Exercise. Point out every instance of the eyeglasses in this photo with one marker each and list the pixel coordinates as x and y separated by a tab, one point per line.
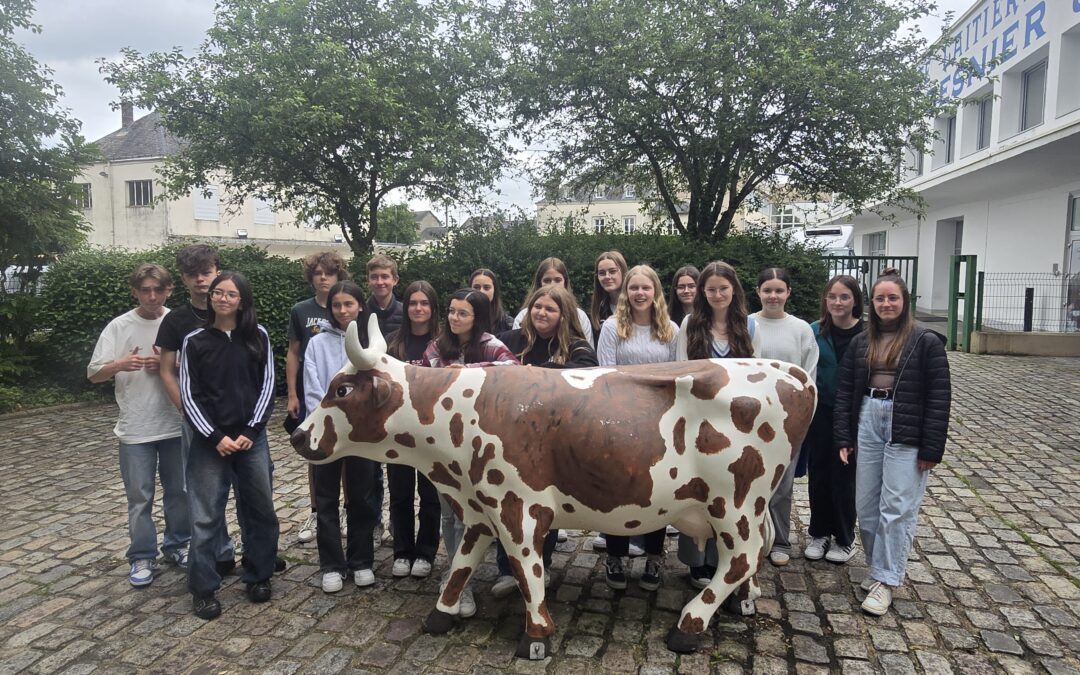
608	273
686	287
717	291
459	313
219	294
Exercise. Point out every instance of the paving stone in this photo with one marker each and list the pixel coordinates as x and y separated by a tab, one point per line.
887	640
1056	616
933	663
808	649
1040	642
957	638
897	664
997	641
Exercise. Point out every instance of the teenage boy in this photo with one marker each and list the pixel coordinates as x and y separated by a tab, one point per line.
307	319
148	426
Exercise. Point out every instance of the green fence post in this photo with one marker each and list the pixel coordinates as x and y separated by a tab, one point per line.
954	291
914	279
980	285
970	300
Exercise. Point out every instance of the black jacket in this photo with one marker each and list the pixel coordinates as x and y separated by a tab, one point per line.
582	354
921	396
389	318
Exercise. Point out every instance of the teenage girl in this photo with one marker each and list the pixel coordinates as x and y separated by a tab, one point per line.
227	390
892	405
784	338
716	327
485	281
639	332
553	271
324	357
462	343
610	270
683	290
414	549
832	483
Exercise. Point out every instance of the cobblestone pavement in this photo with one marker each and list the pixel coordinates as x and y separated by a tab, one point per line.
994	582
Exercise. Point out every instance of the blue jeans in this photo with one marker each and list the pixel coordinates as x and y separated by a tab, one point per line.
139	462
888	490
225	548
209	476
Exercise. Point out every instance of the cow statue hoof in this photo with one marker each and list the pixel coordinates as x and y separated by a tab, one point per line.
534	649
734	605
681	642
438	622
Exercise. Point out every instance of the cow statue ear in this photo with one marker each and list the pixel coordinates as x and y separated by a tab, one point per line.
382	391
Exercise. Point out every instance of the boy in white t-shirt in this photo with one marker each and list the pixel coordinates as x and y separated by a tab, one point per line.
148	427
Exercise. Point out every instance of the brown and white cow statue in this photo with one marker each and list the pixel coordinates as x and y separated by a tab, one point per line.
626	450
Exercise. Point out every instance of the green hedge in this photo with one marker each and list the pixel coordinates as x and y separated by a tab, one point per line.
514	252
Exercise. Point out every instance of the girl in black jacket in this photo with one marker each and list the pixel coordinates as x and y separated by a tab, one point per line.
892	405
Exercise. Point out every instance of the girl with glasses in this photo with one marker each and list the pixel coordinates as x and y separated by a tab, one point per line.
683	289
610	270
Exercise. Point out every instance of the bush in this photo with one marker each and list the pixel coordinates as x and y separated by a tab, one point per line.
87	289
513	253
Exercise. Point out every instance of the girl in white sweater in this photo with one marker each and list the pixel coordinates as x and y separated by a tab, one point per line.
785	338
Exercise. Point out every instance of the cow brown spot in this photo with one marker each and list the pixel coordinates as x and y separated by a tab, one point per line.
798	373
457	430
430	440
495	477
662	512
476	443
679	435
329	437
542	518
777	475
569	508
538	571
475	507
525	551
708	384
738	570
512	516
766	432
539	630
447	403
455	467
674	473
391	454
798	405
490	502
744	528
718	509
472	534
746	469
759	506
375	397
480	461
729	540
455	507
405	439
531	410
440	474
455	585
519	573
744	410
695	488
756	377
631	524
709	440
426	386
708	597
775	364
468	393
692	624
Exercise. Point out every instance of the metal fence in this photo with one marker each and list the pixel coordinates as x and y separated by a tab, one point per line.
1029	301
867	268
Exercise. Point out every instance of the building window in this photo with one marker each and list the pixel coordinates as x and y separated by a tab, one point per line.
628	224
950	139
597	225
84	199
264	212
1032	96
628	192
986	116
875	243
599	192
205	203
140	192
784	217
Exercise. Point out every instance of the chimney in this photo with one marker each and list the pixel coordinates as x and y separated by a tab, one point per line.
127	114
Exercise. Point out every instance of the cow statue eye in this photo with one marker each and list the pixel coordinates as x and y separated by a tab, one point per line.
343	390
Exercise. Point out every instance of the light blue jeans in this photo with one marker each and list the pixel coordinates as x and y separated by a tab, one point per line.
888	490
139	464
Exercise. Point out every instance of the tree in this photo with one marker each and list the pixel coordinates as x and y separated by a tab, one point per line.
326	108
397	224
41	151
701	102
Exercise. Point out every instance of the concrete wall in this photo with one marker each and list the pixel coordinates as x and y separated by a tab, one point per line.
1026	344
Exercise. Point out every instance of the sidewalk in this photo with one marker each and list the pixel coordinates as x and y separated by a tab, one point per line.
994	584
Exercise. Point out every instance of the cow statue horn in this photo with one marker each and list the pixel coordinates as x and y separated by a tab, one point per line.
365	359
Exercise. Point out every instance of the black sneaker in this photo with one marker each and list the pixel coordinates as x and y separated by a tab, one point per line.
259	591
207	608
650	579
616	577
279	564
225	567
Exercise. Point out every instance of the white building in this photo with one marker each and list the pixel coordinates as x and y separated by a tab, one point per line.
1003	181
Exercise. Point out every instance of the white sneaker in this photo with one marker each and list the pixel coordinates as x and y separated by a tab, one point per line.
402	567
332	582
840	554
504	586
466	604
672	531
635	551
142	573
779	558
561	537
363	578
306	532
421	568
878	600
867	584
599	542
815	550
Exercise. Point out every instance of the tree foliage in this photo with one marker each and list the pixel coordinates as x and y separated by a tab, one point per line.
40	153
703	102
327	107
397	224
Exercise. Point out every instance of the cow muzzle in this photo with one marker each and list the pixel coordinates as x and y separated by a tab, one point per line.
301	442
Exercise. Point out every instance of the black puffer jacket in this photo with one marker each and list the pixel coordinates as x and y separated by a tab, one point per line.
921	396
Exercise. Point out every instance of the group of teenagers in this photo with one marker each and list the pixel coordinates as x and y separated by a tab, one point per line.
195	389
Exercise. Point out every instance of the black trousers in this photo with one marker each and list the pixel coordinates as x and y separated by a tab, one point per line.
619	547
359	553
409	542
831	483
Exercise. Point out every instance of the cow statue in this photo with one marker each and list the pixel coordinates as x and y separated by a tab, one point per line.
625	450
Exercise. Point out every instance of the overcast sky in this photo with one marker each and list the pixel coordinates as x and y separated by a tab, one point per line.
76	34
